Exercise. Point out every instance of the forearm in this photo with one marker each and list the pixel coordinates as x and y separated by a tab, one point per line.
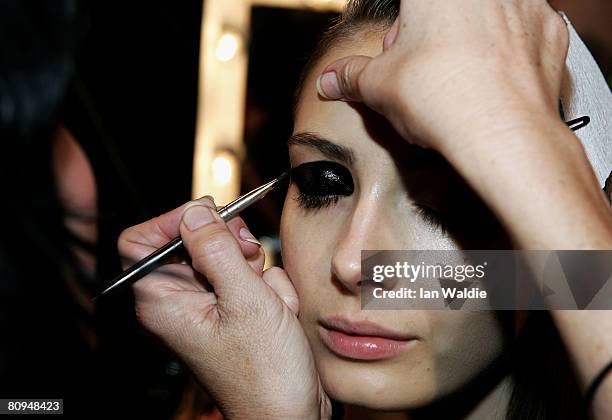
539	183
588	338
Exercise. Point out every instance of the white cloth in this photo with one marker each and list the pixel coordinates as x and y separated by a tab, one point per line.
585	92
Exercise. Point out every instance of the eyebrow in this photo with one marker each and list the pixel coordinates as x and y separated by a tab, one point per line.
328	148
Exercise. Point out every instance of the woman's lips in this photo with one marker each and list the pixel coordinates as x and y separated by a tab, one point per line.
362	340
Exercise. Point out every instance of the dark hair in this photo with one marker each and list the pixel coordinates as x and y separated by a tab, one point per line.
56	344
36	308
544	385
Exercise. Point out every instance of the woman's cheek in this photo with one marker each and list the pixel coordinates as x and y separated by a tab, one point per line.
307	246
463	344
300	249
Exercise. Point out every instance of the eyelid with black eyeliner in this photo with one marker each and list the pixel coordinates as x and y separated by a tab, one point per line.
321	183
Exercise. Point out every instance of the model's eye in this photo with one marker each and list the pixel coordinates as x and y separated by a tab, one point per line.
321	183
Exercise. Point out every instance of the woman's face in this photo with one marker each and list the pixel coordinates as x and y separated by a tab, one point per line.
324	230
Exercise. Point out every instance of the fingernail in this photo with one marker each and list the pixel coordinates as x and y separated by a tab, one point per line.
246	235
327	86
197	216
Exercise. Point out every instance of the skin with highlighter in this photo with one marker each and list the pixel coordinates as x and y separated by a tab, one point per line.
383	159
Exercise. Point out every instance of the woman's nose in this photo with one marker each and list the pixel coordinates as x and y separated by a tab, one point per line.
367	229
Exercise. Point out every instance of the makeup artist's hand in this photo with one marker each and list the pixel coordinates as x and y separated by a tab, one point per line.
453	72
233	324
479	81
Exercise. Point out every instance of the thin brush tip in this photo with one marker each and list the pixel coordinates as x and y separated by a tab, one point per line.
279	179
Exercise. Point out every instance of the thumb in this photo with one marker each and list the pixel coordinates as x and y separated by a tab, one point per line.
216	254
340	80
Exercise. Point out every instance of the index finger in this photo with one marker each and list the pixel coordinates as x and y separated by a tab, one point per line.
141	240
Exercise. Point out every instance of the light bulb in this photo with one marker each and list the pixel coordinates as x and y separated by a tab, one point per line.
227	46
222	169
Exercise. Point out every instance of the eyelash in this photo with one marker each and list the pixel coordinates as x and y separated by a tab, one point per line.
432	217
308	201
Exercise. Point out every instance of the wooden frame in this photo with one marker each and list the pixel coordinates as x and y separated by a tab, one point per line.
222	91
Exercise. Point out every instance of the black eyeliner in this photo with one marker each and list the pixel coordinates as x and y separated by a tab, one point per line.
321	183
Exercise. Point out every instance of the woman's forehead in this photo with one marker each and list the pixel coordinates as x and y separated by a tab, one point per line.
336	120
362	42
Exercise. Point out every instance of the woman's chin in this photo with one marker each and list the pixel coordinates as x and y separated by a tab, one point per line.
376	388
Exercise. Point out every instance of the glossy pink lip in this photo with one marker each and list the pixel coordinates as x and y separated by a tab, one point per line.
362	340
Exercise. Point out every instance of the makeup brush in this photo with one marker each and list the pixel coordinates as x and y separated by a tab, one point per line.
154	260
